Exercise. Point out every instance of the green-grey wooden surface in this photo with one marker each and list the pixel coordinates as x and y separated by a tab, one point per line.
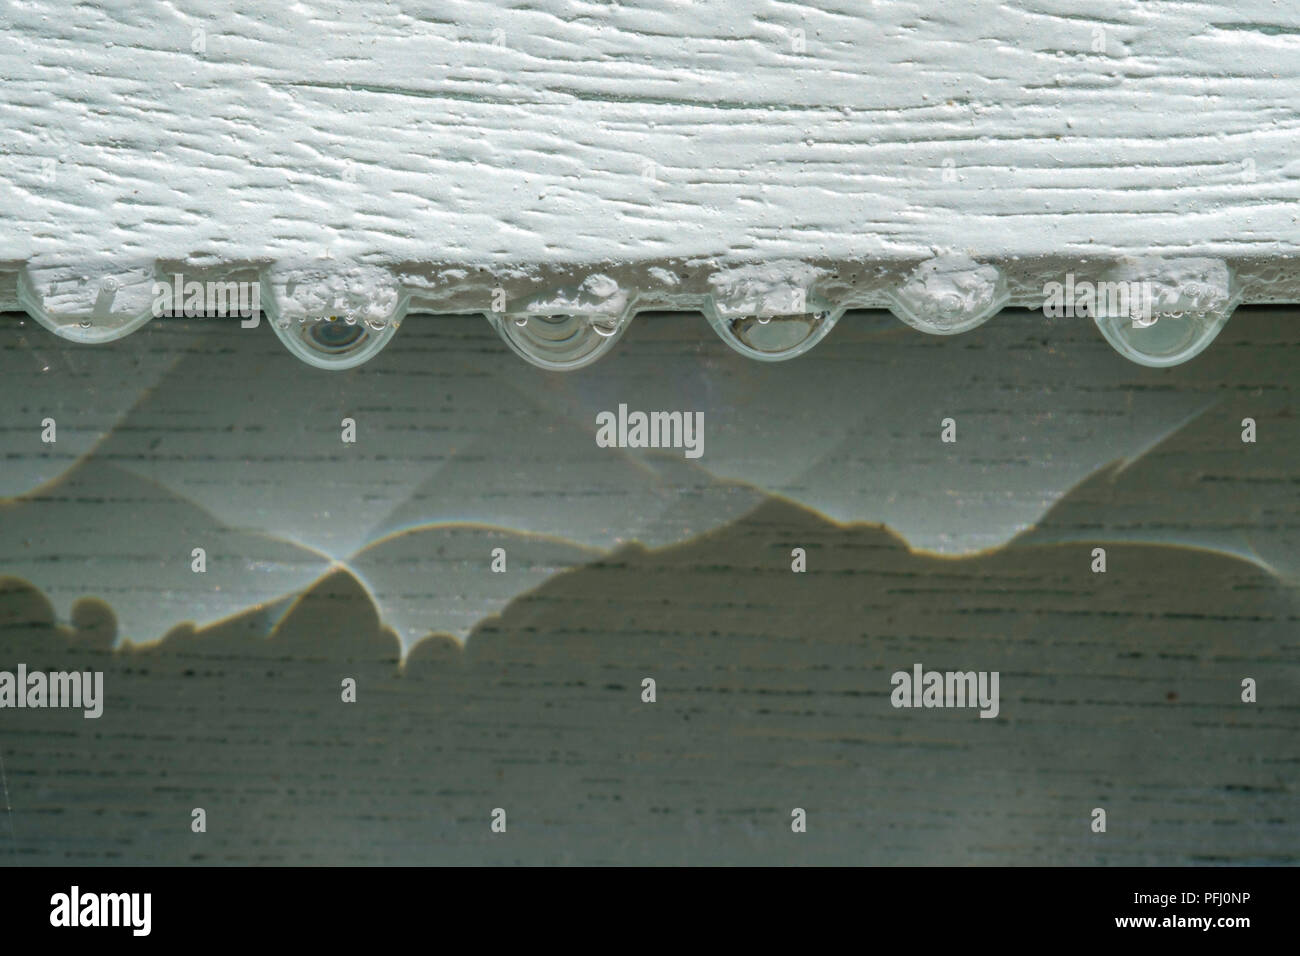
1119	691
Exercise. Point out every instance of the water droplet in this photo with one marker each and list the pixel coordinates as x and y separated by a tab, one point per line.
950	294
773	338
1168	339
333	343
345	314
87	309
560	342
1177	308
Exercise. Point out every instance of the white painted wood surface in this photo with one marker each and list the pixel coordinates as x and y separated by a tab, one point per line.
462	145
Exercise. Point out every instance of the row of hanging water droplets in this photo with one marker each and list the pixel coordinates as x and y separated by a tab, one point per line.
337	317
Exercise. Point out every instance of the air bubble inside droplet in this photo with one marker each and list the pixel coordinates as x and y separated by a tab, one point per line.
773	338
606	329
560	342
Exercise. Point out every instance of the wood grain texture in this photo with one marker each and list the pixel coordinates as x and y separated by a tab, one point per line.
200	433
1119	690
535	142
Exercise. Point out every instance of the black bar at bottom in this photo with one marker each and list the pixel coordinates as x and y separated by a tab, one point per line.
334	906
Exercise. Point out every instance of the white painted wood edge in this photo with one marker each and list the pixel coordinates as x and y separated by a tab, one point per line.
602	159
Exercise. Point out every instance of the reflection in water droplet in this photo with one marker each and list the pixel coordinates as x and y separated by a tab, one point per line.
333	343
335	337
1171	339
1163	311
85	309
773	338
334	320
559	342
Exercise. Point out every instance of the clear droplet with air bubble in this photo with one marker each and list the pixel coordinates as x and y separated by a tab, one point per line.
769	312
777	336
334	317
100	303
950	294
1163	312
567	328
559	342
